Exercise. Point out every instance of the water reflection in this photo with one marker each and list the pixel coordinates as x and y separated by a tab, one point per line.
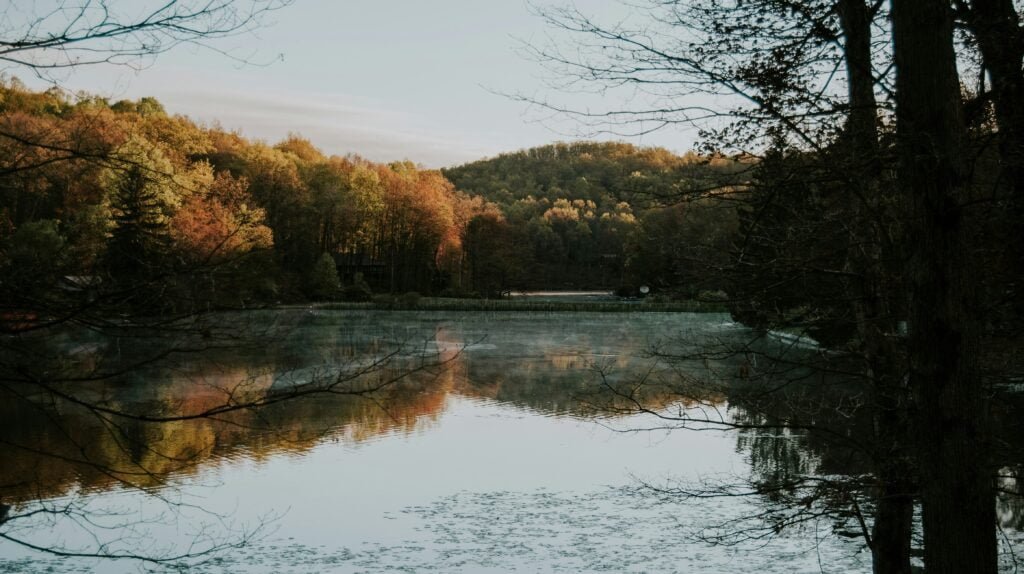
556	365
538	362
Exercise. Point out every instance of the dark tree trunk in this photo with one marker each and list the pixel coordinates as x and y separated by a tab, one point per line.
891	534
996	26
894	514
862	122
957	495
893	519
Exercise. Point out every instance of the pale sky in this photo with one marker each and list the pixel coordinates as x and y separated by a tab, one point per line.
386	79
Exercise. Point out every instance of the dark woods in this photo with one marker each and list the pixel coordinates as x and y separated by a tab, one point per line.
882	220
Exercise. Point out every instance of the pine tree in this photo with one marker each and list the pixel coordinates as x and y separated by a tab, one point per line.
323	279
139	242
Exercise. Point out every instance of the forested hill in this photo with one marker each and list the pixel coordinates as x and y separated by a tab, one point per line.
120	195
603	172
594	215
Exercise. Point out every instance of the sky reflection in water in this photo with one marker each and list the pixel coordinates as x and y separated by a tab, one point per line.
493	465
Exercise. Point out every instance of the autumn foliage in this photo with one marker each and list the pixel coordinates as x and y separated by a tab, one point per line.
163	212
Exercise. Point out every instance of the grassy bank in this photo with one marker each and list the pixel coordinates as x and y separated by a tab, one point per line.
446	304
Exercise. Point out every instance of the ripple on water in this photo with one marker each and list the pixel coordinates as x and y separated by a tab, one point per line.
544	531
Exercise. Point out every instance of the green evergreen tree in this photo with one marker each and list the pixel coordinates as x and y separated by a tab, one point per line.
323	279
139	243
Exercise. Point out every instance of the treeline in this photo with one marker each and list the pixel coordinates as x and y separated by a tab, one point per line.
160	212
598	215
124	195
816	249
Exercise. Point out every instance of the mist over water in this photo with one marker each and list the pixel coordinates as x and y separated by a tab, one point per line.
504	459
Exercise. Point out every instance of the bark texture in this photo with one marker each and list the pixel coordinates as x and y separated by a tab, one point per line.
957	495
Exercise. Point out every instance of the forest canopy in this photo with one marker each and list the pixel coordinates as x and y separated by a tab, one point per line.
124	194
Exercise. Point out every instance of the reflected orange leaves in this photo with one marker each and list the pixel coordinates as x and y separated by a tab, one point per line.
86	452
89	452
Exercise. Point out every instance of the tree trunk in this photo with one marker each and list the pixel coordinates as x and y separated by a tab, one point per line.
957	495
996	26
894	513
891	533
862	122
872	294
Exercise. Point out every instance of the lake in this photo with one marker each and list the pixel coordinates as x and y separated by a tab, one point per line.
497	442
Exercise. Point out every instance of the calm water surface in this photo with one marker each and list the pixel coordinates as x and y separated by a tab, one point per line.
497	462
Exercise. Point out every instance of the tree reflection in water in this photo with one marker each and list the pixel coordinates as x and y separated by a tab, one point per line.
797	411
803	416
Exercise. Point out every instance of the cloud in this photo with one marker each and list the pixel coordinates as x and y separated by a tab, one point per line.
334	123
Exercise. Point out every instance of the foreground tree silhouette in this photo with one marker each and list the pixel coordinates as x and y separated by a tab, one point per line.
772	68
48	37
957	490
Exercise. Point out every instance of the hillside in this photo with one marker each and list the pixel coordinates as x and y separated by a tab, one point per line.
596	215
603	172
124	191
